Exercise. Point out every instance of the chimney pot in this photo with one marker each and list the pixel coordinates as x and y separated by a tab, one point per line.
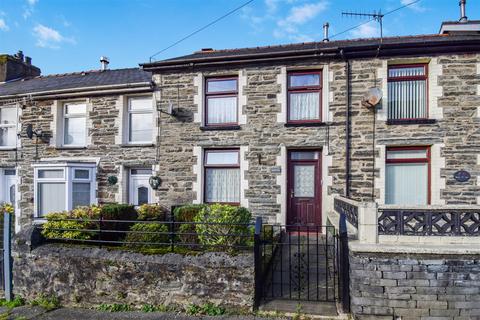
19	55
104	61
463	15
28	60
326	25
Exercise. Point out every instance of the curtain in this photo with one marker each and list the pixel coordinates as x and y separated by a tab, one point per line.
407	99
141	127
222	110
75	131
222	185
80	194
406	184
305	106
51	197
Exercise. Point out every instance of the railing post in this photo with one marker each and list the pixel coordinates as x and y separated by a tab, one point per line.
258	262
344	265
368	223
7	254
172	232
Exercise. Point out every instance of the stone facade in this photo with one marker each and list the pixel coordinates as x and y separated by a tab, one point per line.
93	276
414	286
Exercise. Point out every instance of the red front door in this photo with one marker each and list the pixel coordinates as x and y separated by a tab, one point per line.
304	188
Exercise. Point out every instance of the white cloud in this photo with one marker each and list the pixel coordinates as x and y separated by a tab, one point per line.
367	30
28	8
49	38
415	7
32	2
3	25
298	16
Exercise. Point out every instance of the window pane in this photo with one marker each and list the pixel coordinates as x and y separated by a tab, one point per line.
304	181
140	103
140	127
407	99
12	194
407	154
406	72
51	198
304	80
225	85
9	172
80	194
75	108
406	184
8	115
222	185
142	195
75	131
8	136
305	106
51	174
222	110
304	155
222	157
141	171
82	174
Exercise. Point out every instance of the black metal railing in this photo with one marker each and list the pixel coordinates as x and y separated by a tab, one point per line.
297	263
429	222
163	236
348	209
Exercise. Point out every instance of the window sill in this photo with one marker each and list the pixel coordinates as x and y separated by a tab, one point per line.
8	148
216	128
306	124
71	148
136	145
412	121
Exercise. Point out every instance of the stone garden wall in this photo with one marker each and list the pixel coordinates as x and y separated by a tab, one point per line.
92	276
414	286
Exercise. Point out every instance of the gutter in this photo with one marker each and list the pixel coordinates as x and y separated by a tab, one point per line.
128	87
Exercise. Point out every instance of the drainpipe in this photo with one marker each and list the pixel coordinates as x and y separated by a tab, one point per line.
347	126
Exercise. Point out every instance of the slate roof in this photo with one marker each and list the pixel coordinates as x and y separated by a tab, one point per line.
291	48
75	80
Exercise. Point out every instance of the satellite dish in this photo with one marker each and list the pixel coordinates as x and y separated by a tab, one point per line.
372	97
29	131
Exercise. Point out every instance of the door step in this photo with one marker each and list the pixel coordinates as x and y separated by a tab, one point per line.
315	309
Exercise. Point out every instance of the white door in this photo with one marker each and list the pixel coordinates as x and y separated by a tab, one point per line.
9	186
140	191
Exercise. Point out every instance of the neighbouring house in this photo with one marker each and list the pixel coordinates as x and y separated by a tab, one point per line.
87	127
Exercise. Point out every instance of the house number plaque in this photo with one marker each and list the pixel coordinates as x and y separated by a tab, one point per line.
461	176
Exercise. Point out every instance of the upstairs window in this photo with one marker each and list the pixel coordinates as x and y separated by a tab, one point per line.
407	92
140	119
407	176
305	97
221	99
75	124
222	176
8	126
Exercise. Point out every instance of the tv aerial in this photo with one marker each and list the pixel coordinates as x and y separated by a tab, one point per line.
375	16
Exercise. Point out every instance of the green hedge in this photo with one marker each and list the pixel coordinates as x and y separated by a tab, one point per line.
187	231
147	238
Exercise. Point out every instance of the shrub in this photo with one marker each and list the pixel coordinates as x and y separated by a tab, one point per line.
57	227
143	233
151	212
46	302
224	232
115	211
186	231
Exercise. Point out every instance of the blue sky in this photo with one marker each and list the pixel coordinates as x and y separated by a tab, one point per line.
71	35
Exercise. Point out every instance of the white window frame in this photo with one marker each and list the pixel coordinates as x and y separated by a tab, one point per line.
13	125
68	179
131	178
66	116
128	112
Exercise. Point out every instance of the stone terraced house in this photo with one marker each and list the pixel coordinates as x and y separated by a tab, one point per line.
289	132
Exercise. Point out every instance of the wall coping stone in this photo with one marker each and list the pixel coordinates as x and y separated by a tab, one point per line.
416	248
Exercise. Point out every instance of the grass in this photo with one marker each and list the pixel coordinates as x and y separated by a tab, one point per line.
46	302
16	302
115	307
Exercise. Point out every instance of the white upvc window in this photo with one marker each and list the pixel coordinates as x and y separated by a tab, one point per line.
75	124
63	187
8	184
8	126
139	120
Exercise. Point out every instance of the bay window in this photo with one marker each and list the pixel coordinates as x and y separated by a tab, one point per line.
74	124
222	176
407	176
8	127
407	92
304	97
140	119
221	101
63	187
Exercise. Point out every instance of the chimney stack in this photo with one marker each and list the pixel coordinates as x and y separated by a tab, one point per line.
463	16
17	66
325	32
104	63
